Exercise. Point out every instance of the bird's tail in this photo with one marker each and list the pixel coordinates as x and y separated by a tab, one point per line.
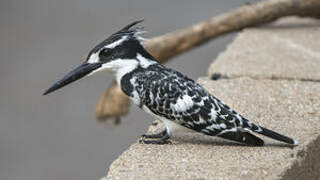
277	136
243	137
269	133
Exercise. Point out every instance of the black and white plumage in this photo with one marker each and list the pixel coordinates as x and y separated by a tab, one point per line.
164	93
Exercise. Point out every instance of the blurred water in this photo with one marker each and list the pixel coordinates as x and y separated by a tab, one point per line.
56	136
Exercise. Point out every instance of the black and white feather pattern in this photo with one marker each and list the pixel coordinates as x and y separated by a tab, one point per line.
168	93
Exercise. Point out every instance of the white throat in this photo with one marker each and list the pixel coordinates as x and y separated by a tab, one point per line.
122	67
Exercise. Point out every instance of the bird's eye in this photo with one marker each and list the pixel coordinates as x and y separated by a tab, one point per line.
105	53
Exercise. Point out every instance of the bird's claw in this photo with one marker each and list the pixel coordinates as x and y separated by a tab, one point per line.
157	135
160	141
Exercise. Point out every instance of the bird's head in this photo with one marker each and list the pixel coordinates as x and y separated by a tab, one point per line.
118	50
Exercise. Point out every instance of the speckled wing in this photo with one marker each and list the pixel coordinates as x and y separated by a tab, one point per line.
171	95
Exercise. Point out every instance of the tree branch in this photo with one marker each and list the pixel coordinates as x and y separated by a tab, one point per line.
115	104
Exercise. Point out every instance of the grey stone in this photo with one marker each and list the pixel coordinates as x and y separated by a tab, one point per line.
288	107
286	49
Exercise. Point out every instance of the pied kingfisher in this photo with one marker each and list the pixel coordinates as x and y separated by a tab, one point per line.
176	100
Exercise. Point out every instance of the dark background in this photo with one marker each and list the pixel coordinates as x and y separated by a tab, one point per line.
56	136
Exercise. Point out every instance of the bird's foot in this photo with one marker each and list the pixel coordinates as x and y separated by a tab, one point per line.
157	135
163	135
159	141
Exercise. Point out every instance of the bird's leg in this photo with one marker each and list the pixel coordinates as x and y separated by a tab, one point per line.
163	139
156	135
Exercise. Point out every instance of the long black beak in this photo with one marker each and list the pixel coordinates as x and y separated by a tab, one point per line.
74	75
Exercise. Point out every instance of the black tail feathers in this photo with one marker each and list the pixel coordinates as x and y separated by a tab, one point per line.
243	137
269	133
277	136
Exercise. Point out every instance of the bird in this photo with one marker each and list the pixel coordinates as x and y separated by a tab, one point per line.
166	94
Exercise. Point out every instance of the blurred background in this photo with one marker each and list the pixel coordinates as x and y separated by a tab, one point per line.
56	136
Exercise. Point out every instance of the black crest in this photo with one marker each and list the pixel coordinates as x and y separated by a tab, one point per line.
127	30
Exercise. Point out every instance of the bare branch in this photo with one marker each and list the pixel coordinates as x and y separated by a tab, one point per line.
112	104
172	44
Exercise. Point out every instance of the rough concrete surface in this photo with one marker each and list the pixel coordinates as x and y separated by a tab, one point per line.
273	80
286	49
289	107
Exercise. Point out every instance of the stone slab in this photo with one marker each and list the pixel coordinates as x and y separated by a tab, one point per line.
286	49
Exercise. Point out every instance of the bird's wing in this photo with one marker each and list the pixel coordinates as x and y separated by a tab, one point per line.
171	95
